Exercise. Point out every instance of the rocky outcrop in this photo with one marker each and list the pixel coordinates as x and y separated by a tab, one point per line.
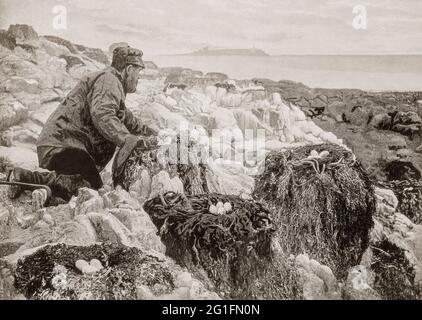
93	53
33	82
72	61
22	33
6	40
318	281
69	45
12	112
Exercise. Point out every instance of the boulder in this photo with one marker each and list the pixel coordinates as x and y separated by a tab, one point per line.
140	224
318	281
23	34
6	40
71	61
18	134
41	114
20	156
109	229
162	183
381	121
336	110
95	54
246	120
62	42
359	285
158	116
359	117
88	200
4	221
52	48
142	186
216	77
7	288
12	112
406	123
18	84
223	118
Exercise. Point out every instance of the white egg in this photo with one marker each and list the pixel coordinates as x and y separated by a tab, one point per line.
88	269
213	209
323	154
221	211
96	264
220	204
228	206
80	264
314	153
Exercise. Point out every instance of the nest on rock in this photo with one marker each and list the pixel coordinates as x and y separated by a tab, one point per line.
394	275
409	196
322	206
234	248
193	176
124	269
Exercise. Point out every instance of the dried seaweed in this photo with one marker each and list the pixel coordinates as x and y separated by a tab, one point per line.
394	276
409	196
322	207
233	248
191	175
124	269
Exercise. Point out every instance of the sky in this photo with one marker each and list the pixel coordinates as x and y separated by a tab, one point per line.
275	26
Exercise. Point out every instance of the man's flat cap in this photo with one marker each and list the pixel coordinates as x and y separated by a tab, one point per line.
123	56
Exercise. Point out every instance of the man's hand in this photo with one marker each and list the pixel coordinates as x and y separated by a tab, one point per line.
148	142
133	142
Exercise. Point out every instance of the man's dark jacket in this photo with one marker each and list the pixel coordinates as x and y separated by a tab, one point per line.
93	117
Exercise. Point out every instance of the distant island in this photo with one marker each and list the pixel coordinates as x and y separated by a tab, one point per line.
206	51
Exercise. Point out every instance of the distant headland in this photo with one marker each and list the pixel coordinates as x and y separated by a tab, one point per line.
207	51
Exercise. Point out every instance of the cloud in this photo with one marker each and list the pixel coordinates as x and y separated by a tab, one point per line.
277	26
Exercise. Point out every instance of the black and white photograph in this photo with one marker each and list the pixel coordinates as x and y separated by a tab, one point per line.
228	151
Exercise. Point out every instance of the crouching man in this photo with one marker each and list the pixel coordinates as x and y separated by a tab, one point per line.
80	137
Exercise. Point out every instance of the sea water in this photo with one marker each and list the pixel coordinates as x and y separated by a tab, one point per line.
367	72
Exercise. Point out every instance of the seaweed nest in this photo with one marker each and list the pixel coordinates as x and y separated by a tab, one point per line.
193	176
394	275
50	273
409	196
233	248
322	205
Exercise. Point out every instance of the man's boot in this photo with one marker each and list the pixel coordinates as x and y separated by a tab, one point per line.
63	186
